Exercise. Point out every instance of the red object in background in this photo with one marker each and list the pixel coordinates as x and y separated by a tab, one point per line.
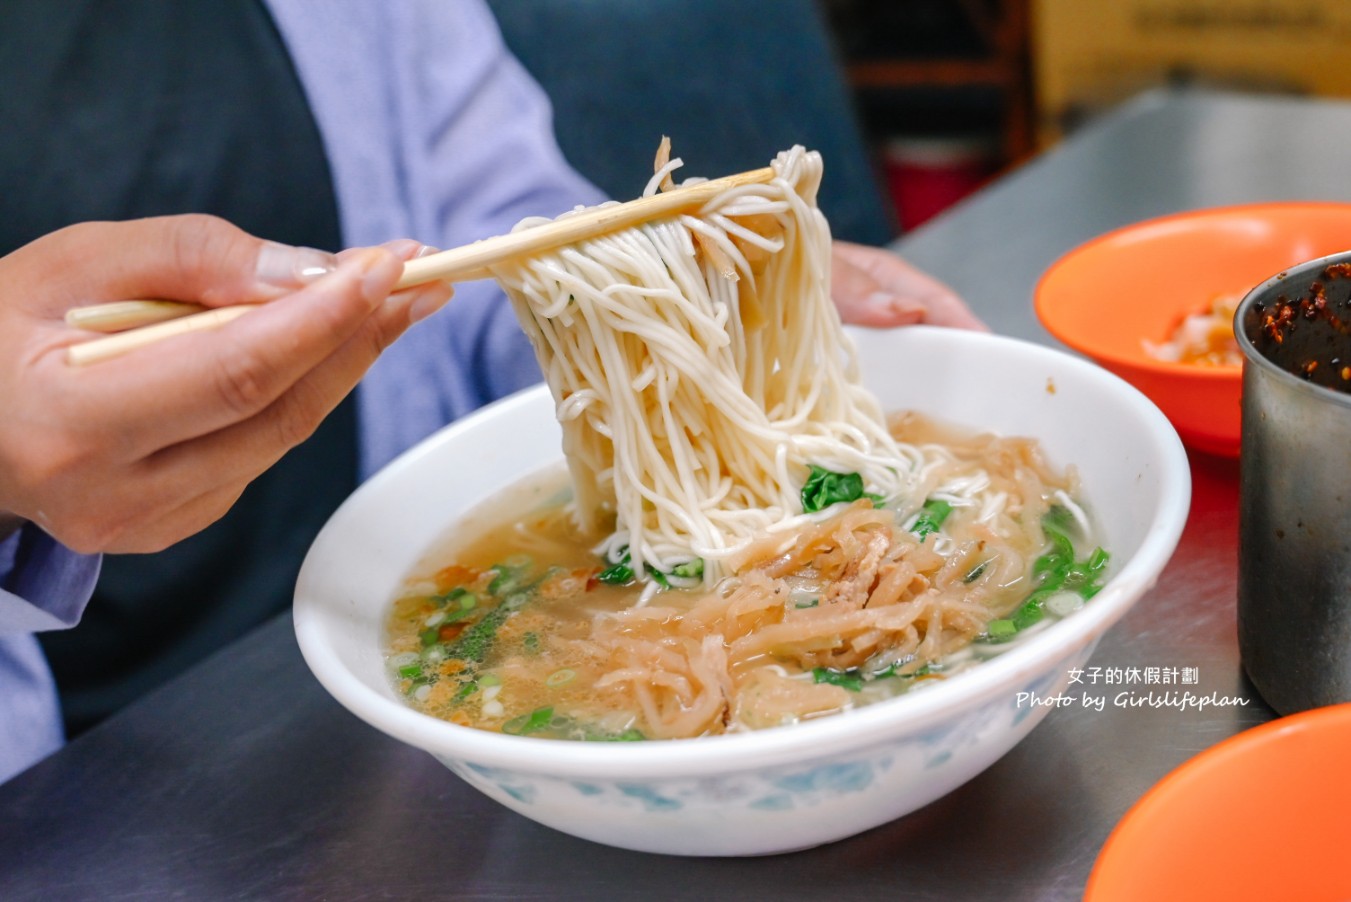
928	175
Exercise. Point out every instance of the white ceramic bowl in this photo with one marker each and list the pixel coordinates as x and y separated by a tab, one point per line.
791	787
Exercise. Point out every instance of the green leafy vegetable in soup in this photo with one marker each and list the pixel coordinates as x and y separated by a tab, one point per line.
532	633
1056	574
825	487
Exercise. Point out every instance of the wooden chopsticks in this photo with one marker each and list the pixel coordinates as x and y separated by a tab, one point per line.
120	315
140	323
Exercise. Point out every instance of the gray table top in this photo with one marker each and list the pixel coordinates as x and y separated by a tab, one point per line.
243	779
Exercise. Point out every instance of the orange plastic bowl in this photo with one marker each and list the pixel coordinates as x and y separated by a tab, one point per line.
1263	815
1106	297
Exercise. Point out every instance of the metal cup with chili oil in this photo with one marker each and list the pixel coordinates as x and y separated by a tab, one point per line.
1294	585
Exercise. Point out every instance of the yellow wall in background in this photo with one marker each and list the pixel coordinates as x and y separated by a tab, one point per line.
1090	54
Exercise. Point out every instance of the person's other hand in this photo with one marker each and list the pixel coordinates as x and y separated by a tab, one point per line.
874	287
134	453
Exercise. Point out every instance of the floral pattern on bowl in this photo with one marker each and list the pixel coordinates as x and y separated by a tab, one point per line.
839	775
862	787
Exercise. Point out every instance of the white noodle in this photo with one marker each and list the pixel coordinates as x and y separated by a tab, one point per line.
693	430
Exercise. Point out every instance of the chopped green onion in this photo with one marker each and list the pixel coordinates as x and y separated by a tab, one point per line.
846	679
474	643
621	573
1032	610
1000	630
930	517
452	595
510	575
411	671
618	573
690	569
1057	517
533	722
465	609
808	604
1064	603
657	576
560	677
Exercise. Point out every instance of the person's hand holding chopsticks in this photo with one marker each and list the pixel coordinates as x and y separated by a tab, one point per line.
155	445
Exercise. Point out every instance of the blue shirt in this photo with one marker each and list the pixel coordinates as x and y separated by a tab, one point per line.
433	131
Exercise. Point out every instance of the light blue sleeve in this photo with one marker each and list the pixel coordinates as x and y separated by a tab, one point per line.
434	131
43	586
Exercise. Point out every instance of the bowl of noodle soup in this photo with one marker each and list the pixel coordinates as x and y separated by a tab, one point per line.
779	788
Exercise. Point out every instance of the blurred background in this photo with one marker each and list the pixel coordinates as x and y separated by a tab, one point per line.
913	103
950	92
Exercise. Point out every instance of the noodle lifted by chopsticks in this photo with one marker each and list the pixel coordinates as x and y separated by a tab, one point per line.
700	370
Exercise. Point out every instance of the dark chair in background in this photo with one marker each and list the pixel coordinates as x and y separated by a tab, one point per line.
731	81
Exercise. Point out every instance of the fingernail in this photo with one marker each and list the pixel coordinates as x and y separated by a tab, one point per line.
403	248
893	303
427	250
428	300
284	266
381	271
